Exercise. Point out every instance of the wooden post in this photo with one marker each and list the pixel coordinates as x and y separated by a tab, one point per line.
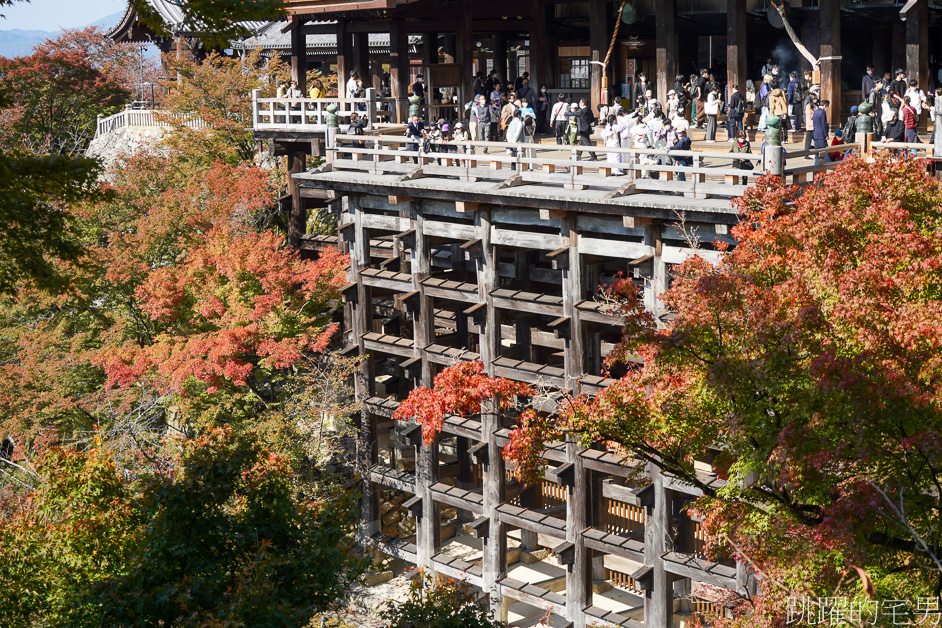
487	269
399	68
361	312
897	48
541	51
658	600
429	48
573	293
736	68
345	58
579	573
658	283
299	56
361	47
297	216
917	45
598	46
666	42
830	38
500	58
465	37
494	561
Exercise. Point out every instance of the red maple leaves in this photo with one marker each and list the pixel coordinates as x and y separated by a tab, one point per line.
458	390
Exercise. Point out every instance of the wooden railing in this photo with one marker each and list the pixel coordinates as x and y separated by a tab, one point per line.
308	114
711	172
145	117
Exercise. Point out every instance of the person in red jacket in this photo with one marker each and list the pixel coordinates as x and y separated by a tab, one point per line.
837	140
910	121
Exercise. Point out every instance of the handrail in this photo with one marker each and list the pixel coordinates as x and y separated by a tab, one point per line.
520	163
144	117
308	114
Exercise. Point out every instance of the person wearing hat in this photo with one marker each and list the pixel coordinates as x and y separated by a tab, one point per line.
558	119
811	104
572	127
850	127
837	140
673	104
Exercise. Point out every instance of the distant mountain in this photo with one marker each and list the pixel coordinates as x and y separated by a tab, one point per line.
19	43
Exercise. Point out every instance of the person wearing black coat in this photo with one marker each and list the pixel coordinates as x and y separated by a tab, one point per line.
894	131
683	143
584	120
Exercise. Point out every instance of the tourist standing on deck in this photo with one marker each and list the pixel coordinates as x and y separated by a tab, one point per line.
763	97
811	105
867	83
795	97
351	89
737	108
559	121
819	125
611	138
910	121
542	109
700	96
778	106
584	119
683	143
712	109
482	116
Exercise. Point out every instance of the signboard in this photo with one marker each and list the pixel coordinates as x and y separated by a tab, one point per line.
631	67
626	90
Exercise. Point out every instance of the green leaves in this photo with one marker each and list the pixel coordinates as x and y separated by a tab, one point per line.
220	537
215	21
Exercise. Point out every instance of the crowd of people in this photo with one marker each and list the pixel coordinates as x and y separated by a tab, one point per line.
516	111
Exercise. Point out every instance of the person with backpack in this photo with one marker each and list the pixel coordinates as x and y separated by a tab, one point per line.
910	121
737	109
795	96
683	97
683	143
482	115
559	121
850	127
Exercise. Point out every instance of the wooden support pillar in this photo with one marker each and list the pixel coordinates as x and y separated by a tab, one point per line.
573	293
917	44
450	47
429	48
579	573
500	58
897	48
737	70
487	271
361	315
597	518
361	48
531	499
666	42
494	560
598	46
299	56
522	338
297	215
657	284
541	51
399	68
465	40
830	46
345	58
658	600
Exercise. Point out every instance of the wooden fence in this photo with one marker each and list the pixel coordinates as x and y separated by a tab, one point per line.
308	114
147	118
710	173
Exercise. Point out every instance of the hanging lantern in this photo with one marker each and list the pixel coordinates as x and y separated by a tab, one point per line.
628	15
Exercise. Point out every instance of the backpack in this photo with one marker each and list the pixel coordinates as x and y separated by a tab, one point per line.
741	105
850	129
528	127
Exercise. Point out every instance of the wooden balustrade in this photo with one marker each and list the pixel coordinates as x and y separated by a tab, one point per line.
145	118
274	114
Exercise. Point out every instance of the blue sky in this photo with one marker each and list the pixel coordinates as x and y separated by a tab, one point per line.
51	15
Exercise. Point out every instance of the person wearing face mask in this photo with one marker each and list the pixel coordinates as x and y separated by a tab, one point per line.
542	107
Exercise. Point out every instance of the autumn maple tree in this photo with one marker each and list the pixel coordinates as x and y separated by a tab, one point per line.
805	367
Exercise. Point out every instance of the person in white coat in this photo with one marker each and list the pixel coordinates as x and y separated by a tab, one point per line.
611	138
514	131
